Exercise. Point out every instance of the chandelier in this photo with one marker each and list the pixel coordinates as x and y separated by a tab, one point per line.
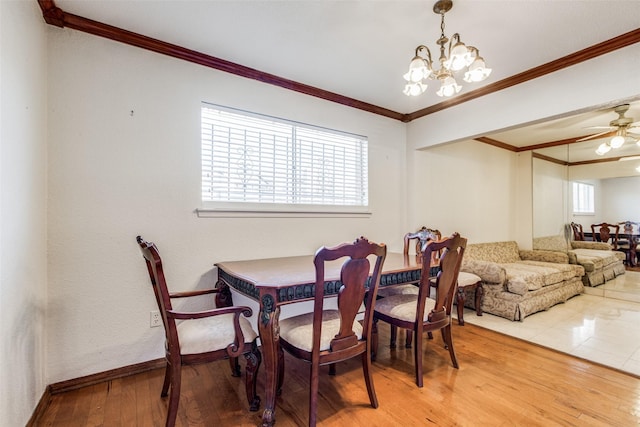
460	56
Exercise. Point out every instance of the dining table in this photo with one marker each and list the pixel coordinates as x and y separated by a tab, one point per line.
275	282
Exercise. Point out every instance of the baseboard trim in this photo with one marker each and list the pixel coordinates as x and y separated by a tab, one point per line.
112	374
76	383
40	408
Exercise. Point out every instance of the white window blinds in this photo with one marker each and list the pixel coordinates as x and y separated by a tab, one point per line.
259	159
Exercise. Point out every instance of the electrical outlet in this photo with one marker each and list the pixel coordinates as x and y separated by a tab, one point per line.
155	319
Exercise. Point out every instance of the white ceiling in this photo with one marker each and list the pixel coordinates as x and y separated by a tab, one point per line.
361	49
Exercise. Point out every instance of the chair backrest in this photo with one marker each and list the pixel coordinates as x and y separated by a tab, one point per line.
452	249
605	232
578	233
629	227
156	275
355	282
421	237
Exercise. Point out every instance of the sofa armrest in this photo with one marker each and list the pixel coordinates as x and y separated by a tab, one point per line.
489	272
546	256
581	244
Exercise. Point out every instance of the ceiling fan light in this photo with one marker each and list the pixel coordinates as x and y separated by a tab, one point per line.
449	87
603	149
617	141
477	71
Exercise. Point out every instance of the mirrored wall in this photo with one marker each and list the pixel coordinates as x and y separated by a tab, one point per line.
615	176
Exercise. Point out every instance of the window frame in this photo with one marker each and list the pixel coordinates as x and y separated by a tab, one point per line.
589	206
213	208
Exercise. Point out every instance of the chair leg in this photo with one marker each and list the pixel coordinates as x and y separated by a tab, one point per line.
460	305
313	394
167	380
368	379
254	359
446	333
174	396
394	335
408	338
235	367
417	353
332	369
374	339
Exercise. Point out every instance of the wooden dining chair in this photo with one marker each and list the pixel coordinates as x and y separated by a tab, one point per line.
628	242
608	233
418	239
328	336
201	336
419	313
578	233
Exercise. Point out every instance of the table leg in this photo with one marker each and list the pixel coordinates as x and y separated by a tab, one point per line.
270	338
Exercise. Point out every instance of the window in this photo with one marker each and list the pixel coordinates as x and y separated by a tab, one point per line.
250	158
583	198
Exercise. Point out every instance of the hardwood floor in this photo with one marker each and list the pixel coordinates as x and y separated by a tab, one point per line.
501	381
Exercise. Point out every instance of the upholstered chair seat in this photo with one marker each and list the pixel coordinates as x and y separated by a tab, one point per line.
298	330
403	307
211	333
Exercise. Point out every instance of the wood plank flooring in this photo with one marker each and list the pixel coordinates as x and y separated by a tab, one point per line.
502	381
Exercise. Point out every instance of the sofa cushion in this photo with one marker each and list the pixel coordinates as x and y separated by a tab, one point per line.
569	271
592	259
489	272
522	277
551	243
500	252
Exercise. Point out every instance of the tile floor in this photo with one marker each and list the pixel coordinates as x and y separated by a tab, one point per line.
601	325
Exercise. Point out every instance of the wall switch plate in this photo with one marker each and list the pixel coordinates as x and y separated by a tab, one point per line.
155	320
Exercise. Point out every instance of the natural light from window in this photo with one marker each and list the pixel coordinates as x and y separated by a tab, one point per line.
583	198
249	158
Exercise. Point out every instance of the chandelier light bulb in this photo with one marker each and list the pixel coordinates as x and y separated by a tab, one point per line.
459	57
477	71
603	149
418	70
449	87
414	89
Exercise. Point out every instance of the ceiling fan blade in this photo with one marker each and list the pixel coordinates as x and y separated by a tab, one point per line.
597	135
601	127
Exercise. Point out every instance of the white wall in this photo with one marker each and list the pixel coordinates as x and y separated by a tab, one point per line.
125	160
621	199
465	187
23	291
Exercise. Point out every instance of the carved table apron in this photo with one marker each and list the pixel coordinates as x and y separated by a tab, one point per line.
274	282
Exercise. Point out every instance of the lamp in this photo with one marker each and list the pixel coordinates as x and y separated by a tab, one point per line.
460	56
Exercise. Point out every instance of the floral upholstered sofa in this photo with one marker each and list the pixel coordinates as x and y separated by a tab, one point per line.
599	261
518	283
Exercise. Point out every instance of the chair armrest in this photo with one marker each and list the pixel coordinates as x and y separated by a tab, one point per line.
580	244
545	256
246	311
489	272
187	294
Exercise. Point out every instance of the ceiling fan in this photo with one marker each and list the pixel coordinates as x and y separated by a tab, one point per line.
620	126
